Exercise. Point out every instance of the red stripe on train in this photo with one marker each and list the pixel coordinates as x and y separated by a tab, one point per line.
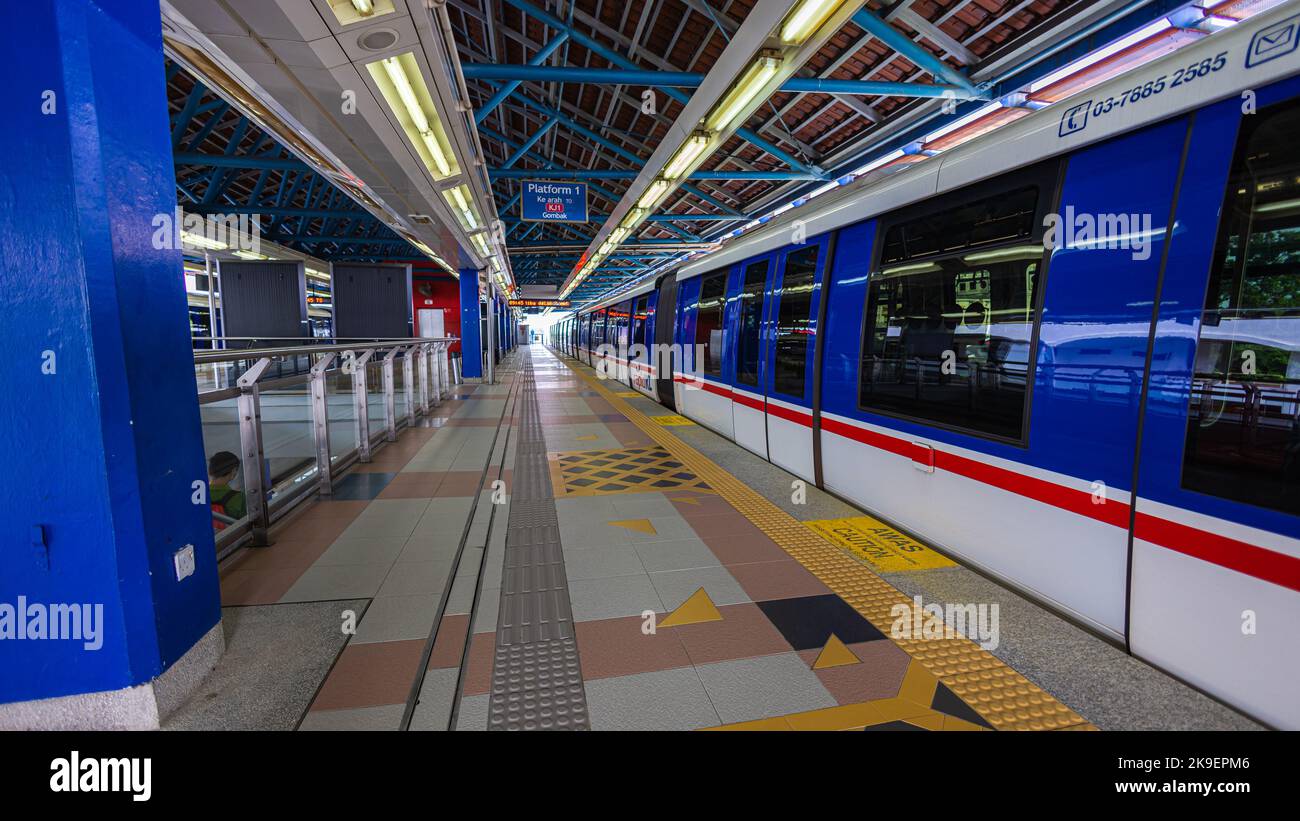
1243	557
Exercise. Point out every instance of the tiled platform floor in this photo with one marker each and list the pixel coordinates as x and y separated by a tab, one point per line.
641	535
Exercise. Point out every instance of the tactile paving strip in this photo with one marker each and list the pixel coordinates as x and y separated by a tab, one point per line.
536	677
1003	697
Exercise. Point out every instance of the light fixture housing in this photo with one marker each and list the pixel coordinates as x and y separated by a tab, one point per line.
806	18
653	194
742	93
687	154
402	85
462	203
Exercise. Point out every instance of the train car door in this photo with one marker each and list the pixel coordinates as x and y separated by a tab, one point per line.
704	394
639	364
1216	527
748	397
790	335
665	317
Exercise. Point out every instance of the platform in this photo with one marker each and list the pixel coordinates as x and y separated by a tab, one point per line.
631	571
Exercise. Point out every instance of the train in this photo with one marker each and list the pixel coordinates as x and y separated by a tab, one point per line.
1065	353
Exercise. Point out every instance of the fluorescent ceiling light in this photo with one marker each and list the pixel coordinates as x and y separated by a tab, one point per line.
250	255
758	75
200	241
460	199
807	17
686	155
399	71
364	7
653	194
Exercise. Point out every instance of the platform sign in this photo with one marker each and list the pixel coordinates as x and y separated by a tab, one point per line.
871	540
549	201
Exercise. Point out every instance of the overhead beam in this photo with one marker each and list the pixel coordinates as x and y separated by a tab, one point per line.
621	61
684	79
509	88
910	49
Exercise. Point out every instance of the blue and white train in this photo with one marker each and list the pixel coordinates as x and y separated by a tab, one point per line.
1109	423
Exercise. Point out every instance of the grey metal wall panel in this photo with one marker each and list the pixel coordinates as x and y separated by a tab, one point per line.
264	299
371	301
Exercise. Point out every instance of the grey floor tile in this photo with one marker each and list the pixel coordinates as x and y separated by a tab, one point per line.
602	562
415	578
611	598
387	717
592	534
583	510
676	586
473	713
462	595
430	547
328	582
363	550
434	705
753	688
397	618
385	518
678	554
665	700
445	515
642	505
485	616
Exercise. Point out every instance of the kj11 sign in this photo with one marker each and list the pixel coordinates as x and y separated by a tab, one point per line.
543	201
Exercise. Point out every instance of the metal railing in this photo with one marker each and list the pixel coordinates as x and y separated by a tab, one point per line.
246	373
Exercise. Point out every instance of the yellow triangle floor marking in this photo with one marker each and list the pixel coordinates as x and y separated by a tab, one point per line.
835	654
698	608
639	525
589	438
919	684
690	500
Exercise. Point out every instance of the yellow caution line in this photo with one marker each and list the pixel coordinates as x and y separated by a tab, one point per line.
1005	698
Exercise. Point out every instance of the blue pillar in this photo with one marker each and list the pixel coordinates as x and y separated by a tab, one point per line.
471	347
101	429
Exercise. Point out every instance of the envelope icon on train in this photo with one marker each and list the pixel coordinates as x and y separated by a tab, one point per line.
1275	41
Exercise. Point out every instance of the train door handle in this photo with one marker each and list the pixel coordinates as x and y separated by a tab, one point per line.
923	457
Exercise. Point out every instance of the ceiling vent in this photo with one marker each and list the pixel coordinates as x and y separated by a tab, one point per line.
379	39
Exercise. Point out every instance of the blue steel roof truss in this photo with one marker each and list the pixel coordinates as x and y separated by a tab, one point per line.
226	164
551	103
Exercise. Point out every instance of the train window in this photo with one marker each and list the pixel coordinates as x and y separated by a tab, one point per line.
615	335
794	324
708	323
1008	217
639	321
751	321
949	340
1243	430
598	329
